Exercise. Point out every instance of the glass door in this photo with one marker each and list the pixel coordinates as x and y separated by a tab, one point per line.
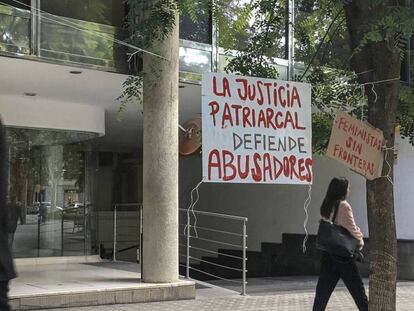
50	193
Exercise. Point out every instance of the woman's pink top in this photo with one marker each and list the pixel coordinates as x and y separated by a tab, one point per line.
345	218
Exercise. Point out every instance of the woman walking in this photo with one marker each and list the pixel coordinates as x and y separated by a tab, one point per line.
334	267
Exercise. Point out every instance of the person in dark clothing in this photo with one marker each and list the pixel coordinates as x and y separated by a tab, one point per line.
7	271
15	212
334	267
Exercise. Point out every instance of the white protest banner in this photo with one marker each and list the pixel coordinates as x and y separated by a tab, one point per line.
256	130
356	144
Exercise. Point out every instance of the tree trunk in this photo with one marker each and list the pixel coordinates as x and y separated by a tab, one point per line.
160	161
383	63
380	196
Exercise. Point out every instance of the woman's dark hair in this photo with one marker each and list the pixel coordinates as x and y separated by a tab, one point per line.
337	191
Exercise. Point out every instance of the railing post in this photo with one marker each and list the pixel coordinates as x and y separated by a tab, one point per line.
62	233
35	27
187	267
214	42
114	252
141	247
244	258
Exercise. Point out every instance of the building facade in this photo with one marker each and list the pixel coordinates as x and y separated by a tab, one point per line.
72	160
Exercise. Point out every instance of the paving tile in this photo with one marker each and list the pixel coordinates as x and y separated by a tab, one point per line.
294	301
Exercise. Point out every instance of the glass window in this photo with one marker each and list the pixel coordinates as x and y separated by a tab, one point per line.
24	4
14	27
108	12
199	27
51	193
193	60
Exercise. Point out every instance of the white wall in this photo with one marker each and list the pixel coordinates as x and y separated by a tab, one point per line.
271	209
33	112
404	190
276	209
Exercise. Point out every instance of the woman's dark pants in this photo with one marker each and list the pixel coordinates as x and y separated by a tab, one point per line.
333	268
4	288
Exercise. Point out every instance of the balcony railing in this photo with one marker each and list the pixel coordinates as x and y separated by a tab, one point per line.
14	30
61	39
81	43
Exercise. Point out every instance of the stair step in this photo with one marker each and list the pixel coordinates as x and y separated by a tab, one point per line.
271	249
286	258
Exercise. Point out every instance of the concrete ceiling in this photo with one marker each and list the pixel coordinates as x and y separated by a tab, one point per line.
55	83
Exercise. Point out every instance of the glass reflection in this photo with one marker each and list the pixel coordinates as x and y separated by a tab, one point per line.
192	60
108	12
198	27
14	30
50	198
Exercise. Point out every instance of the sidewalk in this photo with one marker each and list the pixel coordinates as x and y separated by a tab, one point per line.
289	294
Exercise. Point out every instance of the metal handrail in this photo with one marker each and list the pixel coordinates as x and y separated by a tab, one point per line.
215	276
213	252
218	231
187	234
215	214
216	264
215	241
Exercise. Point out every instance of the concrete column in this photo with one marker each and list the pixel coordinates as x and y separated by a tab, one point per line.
160	162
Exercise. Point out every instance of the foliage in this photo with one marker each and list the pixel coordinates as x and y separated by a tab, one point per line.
97	11
321	128
332	89
146	22
394	24
256	58
150	20
75	45
405	113
132	93
320	34
196	21
257	29
232	22
321	42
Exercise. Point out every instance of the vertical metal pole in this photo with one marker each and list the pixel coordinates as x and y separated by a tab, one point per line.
24	212
35	27
85	235
187	267
408	54
244	258
38	28
141	240
291	39
214	44
114	251
39	220
85	190
61	237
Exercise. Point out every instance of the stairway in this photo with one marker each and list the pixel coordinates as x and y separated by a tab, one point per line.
273	259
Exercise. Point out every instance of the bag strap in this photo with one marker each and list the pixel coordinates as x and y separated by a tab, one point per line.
335	212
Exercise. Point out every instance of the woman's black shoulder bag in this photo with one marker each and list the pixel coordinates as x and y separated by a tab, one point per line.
334	239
